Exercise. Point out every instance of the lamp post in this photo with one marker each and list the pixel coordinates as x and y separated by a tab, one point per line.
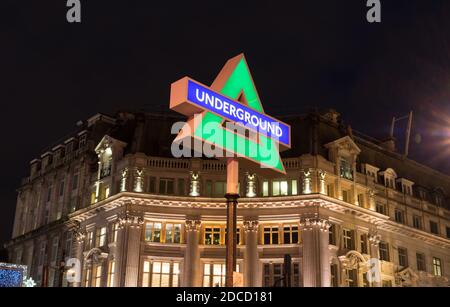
232	201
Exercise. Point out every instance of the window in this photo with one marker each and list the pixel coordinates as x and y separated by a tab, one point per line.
330	190
434	228
437	267
265	188
346	170
152	185
290	234
212	236
181	186
399	216
280	188
98	276
346	196
55	246
75	182
294	187
115	231
417	222
61	189
352	278
106	192
208	188
271	235
402	257
334	275
363	242
87	278
296	275
219	189
100	239
82	141
68	244
111	272
49	194
214	274
153	232
348	237
332	235
173	233
166	186
160	274
361	200
273	273
381	208
420	261
447	230
90	239
386	283
384	251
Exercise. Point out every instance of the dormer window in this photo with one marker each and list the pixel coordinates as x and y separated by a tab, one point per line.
370	171
82	141
405	186
346	169
439	197
389	176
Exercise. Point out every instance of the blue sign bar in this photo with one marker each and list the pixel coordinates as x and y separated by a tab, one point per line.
238	113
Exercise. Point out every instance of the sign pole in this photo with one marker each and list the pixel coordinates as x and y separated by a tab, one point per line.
232	201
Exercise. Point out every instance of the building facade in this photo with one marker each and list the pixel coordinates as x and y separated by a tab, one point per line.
351	212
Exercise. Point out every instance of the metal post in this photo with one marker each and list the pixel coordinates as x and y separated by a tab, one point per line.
408	133
232	201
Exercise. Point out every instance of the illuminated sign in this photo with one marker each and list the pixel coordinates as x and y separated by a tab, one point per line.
232	98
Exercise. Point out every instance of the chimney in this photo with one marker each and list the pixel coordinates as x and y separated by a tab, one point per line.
332	115
389	144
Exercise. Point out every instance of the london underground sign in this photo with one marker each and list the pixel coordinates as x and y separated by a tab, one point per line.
231	99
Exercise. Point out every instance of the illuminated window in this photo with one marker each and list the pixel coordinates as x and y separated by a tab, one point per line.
349	239
160	274
214	274
271	235
87	278
90	239
294	187
279	188
111	272
173	233
265	189
346	169
98	276
420	262
290	234
100	237
437	267
212	236
384	251
153	232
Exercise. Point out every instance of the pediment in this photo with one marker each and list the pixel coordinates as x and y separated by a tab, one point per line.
346	143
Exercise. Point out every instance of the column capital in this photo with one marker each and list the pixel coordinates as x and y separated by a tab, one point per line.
310	223
374	238
131	219
193	224
251	225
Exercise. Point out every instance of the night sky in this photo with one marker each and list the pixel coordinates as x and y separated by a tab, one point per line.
314	54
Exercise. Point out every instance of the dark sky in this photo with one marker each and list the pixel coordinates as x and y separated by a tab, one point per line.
125	54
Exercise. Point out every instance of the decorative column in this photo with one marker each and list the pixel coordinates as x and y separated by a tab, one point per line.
251	257
192	255
251	185
375	264
306	181
123	180
322	185
195	184
131	224
316	255
78	237
139	181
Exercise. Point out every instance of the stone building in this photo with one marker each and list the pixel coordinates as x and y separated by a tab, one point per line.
114	198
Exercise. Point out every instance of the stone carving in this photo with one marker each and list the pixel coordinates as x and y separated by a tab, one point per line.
195	185
193	224
251	225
